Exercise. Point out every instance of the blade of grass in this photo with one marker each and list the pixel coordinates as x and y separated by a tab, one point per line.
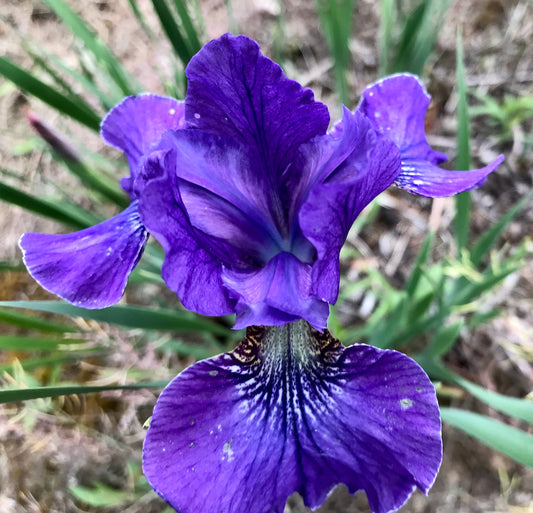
385	35
421	260
9	396
336	19
52	361
96	46
512	406
27	321
487	240
52	209
420	29
107	101
134	6
186	22
20	343
172	30
32	85
463	200
516	444
96	181
444	339
128	316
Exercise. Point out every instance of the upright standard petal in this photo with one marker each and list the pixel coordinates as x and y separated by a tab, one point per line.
88	268
235	91
356	167
291	411
218	177
396	106
136	123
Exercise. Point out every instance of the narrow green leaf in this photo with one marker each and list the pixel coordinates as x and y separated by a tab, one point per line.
421	260
49	95
97	181
444	339
420	29
19	343
182	348
490	278
487	240
386	23
233	25
134	6
190	30
336	19
107	100
101	496
96	46
128	316
172	30
9	396
519	408
516	444
513	406
31	322
52	361
59	211
418	307
463	200
382	335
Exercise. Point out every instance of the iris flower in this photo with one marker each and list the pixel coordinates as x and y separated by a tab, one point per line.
252	199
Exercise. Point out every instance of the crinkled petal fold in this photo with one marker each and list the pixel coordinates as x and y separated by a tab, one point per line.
137	123
291	411
235	91
192	266
359	165
396	106
276	294
88	268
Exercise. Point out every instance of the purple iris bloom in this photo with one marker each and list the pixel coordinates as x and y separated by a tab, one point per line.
252	199
90	268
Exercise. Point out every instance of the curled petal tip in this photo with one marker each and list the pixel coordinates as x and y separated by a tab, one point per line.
425	179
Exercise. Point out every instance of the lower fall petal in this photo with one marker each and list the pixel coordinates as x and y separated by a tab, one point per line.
288	411
425	179
88	268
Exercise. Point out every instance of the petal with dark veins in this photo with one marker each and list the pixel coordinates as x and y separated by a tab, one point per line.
290	411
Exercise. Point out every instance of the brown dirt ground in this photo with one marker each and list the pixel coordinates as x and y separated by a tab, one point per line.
49	445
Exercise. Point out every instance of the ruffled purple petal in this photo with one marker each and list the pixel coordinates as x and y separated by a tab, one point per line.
396	106
137	123
278	293
88	268
358	166
425	179
291	411
235	91
190	270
